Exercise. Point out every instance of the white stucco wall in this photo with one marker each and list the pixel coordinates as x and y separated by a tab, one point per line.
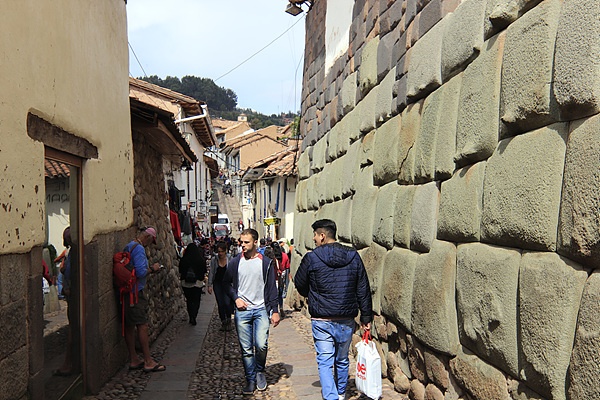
337	29
67	62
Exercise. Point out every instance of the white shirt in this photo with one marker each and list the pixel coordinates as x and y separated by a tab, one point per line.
251	285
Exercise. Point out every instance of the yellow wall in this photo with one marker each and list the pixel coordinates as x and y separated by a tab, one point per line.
67	62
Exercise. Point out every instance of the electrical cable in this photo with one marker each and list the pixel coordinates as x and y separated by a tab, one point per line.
270	43
138	61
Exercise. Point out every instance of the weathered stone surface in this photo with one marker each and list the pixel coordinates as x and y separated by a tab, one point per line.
433	393
463	36
302	231
301	196
303	165
526	102
487	281
400	90
436	366
383	107
501	13
584	368
403	215
576	62
477	123
373	258
339	144
550	289
385	155
319	154
423	226
336	178
522	190
579	220
461	205
312	198
322	183
417	389
445	144
519	391
480	380
367	151
367	74
424	69
13	333
325	212
416	358
348	93
363	209
384	55
401	381
411	123
341	213
434	308
330	151
425	144
397	288
383	224
14	373
351	164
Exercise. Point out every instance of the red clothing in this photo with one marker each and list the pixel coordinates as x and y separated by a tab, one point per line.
175	226
46	273
285	262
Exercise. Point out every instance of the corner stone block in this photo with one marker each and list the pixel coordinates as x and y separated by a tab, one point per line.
373	258
579	221
383	107
411	122
396	292
576	62
383	225
461	205
14	374
463	36
14	322
424	68
477	124
501	13
363	209
526	101
584	368
445	144
550	289
479	379
434	320
319	154
487	282
13	278
348	93
385	155
522	190
403	215
423	226
304	165
367	75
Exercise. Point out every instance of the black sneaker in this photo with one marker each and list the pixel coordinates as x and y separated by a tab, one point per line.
261	381
249	388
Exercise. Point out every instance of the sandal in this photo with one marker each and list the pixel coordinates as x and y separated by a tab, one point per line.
156	368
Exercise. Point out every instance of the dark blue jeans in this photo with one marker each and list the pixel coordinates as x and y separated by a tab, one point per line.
223	301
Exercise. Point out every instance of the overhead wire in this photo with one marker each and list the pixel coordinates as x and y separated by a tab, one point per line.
137	59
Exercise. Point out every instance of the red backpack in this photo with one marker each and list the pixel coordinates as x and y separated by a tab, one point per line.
125	280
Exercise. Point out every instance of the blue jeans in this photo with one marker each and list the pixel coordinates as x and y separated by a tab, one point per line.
332	341
253	333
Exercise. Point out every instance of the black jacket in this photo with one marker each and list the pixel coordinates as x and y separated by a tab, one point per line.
335	281
271	295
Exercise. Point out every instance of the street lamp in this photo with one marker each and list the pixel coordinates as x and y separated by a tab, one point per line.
294	6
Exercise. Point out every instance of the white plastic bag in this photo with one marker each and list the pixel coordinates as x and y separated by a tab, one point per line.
368	368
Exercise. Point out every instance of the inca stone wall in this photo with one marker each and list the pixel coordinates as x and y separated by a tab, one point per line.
456	145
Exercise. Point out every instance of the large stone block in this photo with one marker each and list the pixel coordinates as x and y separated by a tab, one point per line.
409	130
397	287
352	123
384	55
434	319
501	13
343	218
367	152
403	215
14	374
463	36
424	69
487	282
339	141
383	225
363	209
335	183
319	154
479	379
303	165
351	164
445	144
576	62
522	190
385	155
348	93
367	74
14	327
461	205
383	108
367	111
13	279
326	179
373	257
526	102
584	368
301	196
477	123
312	199
550	289
423	226
579	220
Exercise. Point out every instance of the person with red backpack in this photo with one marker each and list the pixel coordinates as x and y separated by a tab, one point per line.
136	315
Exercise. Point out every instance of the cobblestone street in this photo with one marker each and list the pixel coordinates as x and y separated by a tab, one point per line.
204	363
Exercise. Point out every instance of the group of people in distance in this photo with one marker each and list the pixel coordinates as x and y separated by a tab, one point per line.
251	286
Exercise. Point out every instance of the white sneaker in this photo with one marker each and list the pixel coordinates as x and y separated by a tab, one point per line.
342	396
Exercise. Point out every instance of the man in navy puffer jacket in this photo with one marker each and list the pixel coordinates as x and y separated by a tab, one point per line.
335	281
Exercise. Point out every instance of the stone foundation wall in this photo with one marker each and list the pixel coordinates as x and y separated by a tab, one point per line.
456	145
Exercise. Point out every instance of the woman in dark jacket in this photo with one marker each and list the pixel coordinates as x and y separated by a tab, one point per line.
192	271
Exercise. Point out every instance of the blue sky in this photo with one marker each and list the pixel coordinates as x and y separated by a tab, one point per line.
207	38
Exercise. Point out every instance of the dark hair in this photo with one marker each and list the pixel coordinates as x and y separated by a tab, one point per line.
263	241
193	257
221	245
269	252
277	252
251	232
327	225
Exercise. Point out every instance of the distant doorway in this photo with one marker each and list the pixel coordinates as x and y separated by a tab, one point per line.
63	331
